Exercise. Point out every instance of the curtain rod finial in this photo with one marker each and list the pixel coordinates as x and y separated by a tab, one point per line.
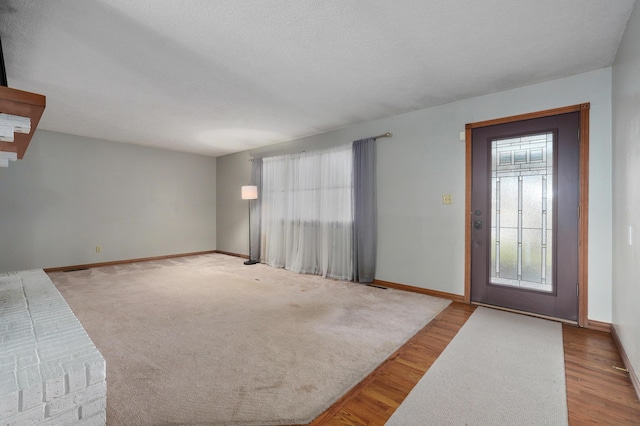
384	135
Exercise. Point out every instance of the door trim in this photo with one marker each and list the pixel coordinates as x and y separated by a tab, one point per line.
583	220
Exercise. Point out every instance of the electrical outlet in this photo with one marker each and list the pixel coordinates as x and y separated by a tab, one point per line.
98	249
447	199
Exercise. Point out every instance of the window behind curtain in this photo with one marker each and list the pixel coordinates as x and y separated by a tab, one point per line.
307	213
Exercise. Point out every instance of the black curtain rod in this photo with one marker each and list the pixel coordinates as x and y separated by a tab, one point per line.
3	72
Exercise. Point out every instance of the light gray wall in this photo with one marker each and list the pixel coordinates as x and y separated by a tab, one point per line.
70	194
233	214
421	241
626	190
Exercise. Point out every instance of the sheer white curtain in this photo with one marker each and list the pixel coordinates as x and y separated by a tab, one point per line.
307	213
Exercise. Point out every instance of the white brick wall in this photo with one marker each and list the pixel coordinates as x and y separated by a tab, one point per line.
51	373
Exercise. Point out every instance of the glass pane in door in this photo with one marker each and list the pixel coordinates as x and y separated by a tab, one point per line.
522	212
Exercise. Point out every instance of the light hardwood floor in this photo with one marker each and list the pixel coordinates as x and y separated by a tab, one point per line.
596	392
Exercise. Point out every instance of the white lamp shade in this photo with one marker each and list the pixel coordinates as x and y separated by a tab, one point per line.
250	192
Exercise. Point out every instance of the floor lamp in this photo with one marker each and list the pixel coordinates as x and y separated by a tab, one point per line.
250	192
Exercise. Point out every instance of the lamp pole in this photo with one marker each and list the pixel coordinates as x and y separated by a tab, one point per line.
250	192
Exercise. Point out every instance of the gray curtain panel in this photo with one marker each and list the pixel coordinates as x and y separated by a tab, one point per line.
365	210
254	234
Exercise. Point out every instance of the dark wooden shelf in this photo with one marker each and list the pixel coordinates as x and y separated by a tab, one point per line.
25	104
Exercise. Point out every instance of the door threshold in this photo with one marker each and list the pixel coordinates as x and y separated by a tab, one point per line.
530	314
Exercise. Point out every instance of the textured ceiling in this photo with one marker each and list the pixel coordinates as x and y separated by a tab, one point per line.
215	77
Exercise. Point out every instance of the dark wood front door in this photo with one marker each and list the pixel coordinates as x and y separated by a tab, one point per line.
524	215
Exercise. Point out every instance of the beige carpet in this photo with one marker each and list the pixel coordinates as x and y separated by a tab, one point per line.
208	340
500	369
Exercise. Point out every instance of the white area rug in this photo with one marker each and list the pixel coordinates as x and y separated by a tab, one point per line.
208	340
500	369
